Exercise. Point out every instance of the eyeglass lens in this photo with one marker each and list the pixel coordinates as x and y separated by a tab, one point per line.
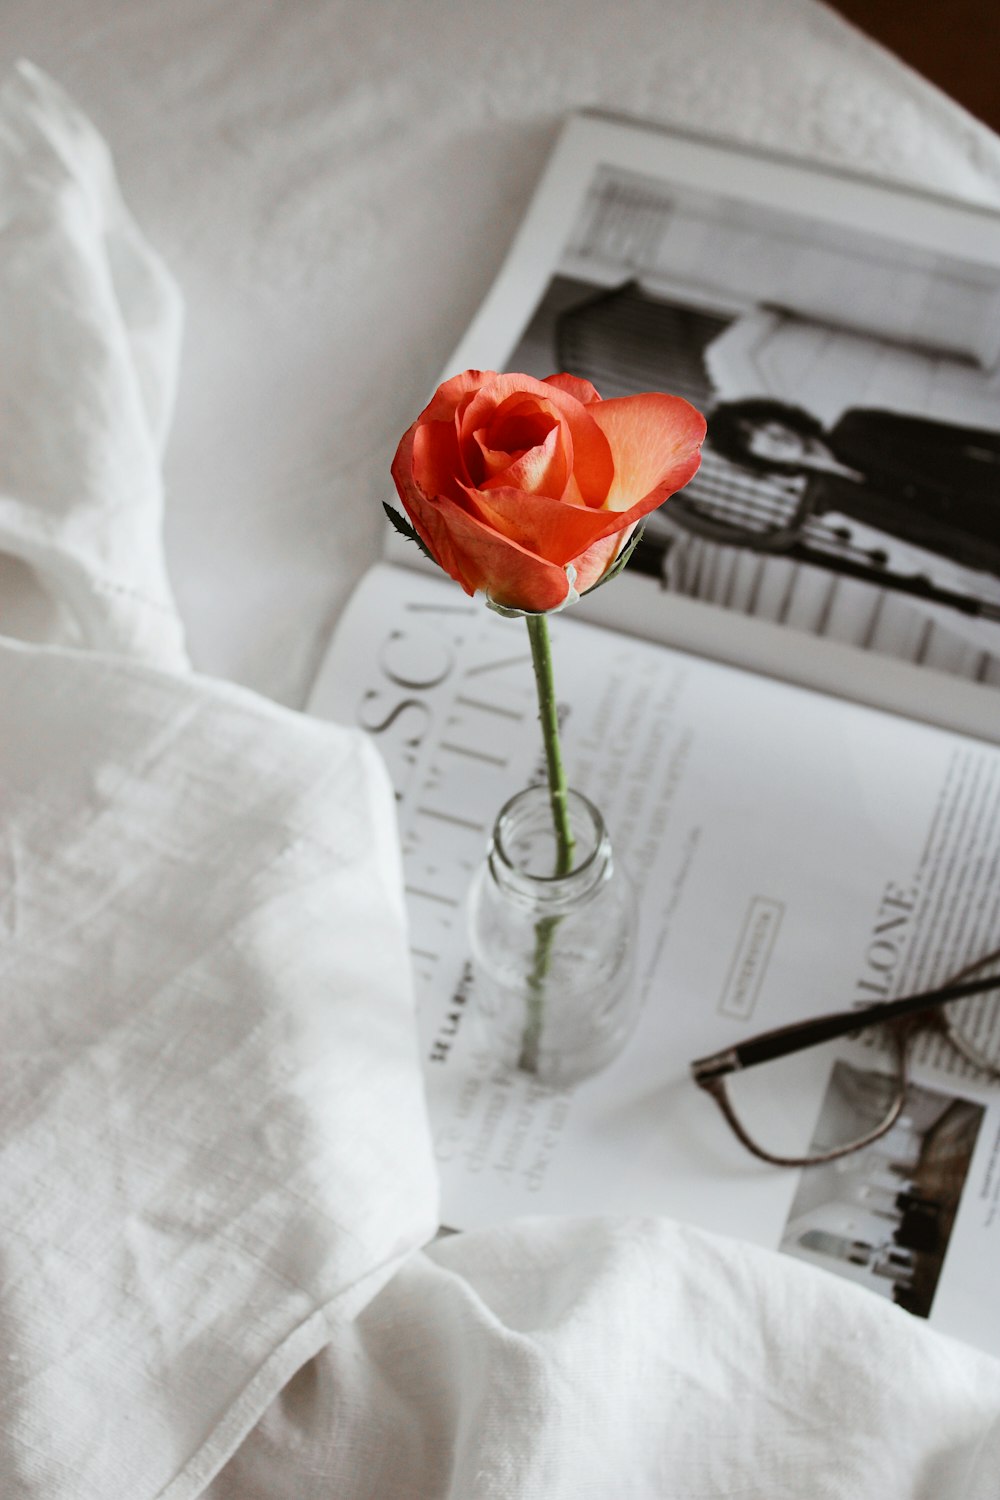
827	1099
834	1097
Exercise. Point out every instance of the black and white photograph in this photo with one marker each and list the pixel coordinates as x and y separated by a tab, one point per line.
883	1215
850	483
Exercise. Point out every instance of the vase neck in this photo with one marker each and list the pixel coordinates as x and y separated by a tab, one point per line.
523	853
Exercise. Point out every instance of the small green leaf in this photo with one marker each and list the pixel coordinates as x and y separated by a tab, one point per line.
405	529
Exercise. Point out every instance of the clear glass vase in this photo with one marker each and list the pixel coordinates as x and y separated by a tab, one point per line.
553	956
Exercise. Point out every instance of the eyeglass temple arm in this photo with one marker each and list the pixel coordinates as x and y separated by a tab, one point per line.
799	1035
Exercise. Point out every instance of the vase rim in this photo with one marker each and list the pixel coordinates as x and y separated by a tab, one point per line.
553	884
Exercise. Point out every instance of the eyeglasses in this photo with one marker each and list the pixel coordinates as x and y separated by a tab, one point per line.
860	1094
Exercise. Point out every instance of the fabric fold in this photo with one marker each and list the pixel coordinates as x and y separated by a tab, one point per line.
90	321
579	1358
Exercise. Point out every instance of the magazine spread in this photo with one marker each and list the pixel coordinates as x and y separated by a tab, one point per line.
792	854
792	851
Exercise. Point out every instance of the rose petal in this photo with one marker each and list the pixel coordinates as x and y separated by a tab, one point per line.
402	464
478	557
430	459
542	524
595	562
553	528
448	396
590	459
581	390
426	518
542	469
655	441
518	425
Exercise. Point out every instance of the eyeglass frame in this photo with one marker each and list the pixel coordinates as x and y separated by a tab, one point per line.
903	1017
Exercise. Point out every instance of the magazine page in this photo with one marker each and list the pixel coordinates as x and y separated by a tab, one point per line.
792	853
843	339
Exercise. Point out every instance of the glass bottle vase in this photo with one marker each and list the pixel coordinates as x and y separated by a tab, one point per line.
553	955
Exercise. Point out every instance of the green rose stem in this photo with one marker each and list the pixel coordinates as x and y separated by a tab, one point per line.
541	659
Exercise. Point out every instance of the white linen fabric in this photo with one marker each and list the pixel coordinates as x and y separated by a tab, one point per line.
215	1166
213	1143
570	1359
91	325
212	1134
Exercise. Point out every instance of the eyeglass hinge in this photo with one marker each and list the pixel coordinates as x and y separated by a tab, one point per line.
720	1063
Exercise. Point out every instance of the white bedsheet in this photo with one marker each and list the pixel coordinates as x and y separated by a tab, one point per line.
214	1162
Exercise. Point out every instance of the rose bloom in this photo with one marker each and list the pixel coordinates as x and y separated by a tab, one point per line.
528	489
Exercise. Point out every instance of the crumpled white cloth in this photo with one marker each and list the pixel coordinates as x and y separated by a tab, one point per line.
90	325
215	1166
634	1359
213	1143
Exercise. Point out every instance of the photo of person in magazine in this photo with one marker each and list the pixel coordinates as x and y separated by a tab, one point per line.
933	484
858	522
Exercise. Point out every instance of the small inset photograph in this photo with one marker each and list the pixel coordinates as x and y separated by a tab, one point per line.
883	1216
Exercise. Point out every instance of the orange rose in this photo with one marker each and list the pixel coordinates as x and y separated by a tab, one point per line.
529	489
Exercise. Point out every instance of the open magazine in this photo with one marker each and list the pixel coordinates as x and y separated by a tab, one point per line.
787	707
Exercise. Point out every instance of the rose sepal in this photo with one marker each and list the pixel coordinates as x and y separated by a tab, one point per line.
405	529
